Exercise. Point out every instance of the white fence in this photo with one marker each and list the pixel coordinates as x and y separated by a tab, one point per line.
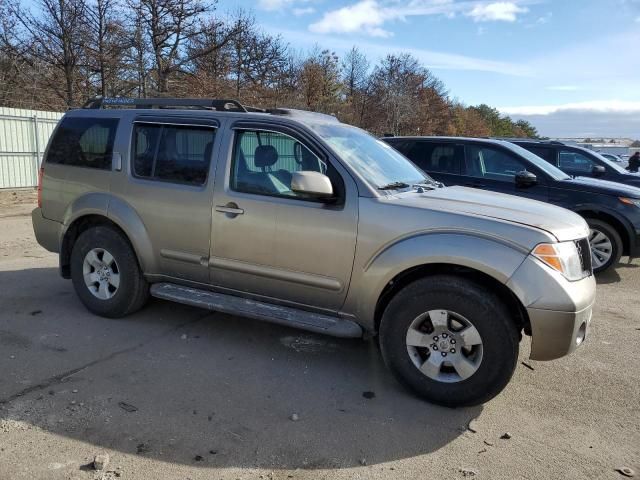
23	137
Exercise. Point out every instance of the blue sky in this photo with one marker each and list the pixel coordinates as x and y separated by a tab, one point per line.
572	67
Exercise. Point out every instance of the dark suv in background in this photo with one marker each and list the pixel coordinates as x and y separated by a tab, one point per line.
578	161
612	210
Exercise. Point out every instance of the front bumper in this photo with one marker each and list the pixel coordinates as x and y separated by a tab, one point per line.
556	334
559	310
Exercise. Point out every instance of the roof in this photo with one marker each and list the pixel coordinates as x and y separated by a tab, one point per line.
449	138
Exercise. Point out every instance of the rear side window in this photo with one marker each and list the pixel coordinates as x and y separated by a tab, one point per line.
547	154
172	153
84	142
434	157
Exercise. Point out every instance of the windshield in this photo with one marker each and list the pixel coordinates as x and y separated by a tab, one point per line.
375	161
602	158
546	167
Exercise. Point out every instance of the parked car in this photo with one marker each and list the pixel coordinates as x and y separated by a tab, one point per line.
612	157
294	218
579	161
612	210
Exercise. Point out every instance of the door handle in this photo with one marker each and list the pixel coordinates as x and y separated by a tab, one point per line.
231	209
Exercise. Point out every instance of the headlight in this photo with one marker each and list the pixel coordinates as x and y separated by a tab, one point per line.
562	257
630	201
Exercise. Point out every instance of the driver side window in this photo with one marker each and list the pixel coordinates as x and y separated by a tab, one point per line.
492	164
264	163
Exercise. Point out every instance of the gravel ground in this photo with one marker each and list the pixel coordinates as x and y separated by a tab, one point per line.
180	393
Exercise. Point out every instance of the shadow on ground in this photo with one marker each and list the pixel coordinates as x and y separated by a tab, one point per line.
187	386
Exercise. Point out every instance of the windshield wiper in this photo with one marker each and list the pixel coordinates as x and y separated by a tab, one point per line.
429	183
394	186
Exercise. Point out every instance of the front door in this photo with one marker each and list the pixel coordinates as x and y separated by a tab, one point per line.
495	169
576	164
269	241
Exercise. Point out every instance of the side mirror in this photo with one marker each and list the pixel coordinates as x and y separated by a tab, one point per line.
311	184
598	170
526	179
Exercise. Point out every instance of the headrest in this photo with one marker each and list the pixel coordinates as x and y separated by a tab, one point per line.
265	156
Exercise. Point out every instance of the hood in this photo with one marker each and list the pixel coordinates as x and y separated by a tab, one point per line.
596	185
559	222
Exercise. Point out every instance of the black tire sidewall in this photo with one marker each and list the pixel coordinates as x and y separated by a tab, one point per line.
614	237
113	242
478	305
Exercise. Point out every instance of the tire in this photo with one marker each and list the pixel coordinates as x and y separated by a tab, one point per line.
132	290
604	239
465	303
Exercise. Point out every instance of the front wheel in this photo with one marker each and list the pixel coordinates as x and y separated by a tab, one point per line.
606	245
450	340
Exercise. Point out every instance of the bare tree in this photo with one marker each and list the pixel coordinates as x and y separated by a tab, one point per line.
58	42
107	43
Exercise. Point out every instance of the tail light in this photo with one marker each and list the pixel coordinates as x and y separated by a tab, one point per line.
40	175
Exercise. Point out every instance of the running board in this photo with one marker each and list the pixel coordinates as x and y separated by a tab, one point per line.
291	317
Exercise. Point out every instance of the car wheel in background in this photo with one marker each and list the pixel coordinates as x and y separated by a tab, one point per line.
606	245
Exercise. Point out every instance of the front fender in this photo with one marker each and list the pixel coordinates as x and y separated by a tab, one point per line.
495	257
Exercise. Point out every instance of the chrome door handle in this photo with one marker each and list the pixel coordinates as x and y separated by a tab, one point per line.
231	209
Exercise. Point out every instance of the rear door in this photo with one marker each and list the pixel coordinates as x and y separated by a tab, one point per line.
168	183
267	240
492	168
441	160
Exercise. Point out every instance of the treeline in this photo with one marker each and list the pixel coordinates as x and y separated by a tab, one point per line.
57	53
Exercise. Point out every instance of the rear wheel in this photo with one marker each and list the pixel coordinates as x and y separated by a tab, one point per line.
105	273
606	245
450	340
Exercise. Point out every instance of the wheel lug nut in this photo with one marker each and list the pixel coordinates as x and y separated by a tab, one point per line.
435	339
452	341
444	335
435	347
453	350
444	354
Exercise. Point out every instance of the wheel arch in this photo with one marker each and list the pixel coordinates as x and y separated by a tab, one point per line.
102	210
618	223
483	258
404	278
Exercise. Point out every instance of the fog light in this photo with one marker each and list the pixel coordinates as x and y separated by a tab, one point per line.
582	332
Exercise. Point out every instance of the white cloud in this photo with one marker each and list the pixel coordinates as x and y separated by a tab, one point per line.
430	58
273	4
564	88
298	12
365	16
369	16
599	106
497	11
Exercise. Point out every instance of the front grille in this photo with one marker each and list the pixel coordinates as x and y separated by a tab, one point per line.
584	250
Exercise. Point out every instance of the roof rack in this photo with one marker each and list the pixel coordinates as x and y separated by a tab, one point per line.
224	105
227	105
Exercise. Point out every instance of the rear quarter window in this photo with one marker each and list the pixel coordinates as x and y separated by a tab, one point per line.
83	142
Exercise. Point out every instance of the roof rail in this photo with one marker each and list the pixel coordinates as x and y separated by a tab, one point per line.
296	113
527	139
228	105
